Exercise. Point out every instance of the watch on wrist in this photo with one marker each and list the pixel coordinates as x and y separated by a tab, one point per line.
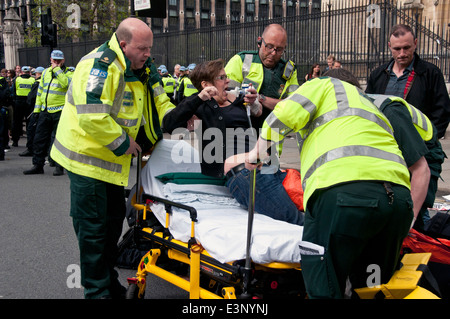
262	97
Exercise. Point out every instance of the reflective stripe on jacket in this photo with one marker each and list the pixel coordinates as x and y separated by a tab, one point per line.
342	136
246	67
52	90
105	105
23	85
421	122
169	84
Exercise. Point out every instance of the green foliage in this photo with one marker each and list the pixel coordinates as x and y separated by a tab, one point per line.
99	19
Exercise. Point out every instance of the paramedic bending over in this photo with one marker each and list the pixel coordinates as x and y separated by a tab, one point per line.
219	110
355	181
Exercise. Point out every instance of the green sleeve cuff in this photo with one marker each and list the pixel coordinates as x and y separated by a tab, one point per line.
122	148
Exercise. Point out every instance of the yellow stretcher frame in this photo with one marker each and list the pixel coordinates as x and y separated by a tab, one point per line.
191	254
404	284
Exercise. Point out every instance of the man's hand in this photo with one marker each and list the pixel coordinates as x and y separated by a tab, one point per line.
134	147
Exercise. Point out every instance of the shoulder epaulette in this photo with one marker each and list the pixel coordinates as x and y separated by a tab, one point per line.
108	56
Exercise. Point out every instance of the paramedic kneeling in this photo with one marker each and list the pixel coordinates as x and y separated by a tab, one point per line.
355	181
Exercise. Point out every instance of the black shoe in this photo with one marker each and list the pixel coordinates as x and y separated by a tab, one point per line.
58	171
35	170
27	152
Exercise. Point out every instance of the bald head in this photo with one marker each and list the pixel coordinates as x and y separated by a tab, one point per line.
272	43
136	40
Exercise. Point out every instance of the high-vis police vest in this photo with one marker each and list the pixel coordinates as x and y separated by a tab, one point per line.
52	90
343	137
421	122
23	85
105	105
246	67
169	84
189	88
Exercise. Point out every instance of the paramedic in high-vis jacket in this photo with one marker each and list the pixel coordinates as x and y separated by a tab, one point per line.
273	77
115	91
358	206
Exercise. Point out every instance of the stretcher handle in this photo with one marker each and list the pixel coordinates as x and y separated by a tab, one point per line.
192	211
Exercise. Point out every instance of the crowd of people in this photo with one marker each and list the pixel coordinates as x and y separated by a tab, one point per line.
365	182
31	100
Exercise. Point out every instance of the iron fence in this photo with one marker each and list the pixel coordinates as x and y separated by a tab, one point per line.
355	31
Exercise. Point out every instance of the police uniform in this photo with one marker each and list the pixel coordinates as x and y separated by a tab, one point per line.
355	181
49	104
246	67
169	83
186	88
21	87
106	105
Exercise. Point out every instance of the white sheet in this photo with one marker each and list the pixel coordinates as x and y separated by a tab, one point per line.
222	223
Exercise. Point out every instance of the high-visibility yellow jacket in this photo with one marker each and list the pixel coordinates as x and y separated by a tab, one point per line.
342	136
52	90
246	67
421	122
169	84
23	85
105	105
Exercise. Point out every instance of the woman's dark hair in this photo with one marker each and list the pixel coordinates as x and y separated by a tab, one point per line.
206	71
344	75
312	69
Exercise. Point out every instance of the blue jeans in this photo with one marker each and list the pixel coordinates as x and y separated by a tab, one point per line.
271	199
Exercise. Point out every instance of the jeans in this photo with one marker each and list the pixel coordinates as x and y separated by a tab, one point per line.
271	199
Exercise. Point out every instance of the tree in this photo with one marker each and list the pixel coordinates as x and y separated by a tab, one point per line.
97	19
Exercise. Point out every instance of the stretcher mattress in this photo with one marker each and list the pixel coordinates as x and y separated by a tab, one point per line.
222	223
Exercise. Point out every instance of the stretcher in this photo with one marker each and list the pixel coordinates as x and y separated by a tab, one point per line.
202	241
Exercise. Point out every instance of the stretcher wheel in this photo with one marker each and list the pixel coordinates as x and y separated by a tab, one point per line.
132	292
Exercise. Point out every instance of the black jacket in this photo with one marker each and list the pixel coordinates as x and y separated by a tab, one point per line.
428	91
211	115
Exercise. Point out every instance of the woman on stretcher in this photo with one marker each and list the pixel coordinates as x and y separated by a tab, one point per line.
226	138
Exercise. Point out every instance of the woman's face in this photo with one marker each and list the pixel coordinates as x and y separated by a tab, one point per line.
317	69
221	83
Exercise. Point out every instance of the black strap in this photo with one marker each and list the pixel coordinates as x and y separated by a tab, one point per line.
431	282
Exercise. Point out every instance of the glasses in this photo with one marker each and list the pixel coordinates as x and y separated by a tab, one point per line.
222	77
272	48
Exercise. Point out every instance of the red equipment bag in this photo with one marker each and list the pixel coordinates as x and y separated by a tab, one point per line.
293	185
439	263
420	243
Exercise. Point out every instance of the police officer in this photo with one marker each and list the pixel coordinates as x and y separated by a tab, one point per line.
358	205
4	98
115	89
33	117
186	88
20	89
273	77
169	83
49	104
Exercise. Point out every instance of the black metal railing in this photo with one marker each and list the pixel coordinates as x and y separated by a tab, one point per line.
355	35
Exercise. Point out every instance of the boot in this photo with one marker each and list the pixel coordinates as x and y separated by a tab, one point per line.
36	169
27	152
58	171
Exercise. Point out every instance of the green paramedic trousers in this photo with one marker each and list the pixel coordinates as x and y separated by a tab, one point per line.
98	212
362	232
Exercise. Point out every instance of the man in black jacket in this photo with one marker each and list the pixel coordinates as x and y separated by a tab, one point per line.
419	82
